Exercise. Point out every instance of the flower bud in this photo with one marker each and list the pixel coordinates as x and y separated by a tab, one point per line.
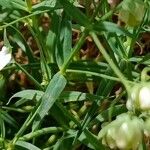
139	98
109	139
121	132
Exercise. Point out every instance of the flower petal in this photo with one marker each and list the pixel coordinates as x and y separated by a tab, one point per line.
144	98
5	57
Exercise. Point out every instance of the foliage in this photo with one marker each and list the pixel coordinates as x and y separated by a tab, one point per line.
71	67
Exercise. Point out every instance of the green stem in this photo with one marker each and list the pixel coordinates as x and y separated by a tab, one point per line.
75	50
37	84
40	132
14	109
22	129
25	125
98	75
23	18
109	60
144	74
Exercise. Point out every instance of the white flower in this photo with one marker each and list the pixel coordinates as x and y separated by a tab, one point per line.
5	57
139	98
144	98
125	132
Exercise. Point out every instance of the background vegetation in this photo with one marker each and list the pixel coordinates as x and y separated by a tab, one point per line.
74	65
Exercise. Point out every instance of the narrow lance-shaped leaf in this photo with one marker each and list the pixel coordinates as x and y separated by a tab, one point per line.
7	118
92	139
51	94
64	143
26	145
6	41
21	42
112	28
14	4
75	13
2	128
44	4
64	42
28	94
52	37
65	96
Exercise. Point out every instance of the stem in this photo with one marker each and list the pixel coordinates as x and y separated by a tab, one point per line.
28	16
144	74
23	18
14	109
37	84
109	60
25	125
22	129
74	51
98	75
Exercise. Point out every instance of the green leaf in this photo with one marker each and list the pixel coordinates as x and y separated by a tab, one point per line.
116	45
75	96
104	116
52	37
64	42
6	41
44	4
7	118
63	143
141	60
54	89
75	13
65	96
129	13
2	128
2	86
60	113
59	116
21	42
25	145
14	4
4	15
145	58
49	5
106	85
111	27
87	137
28	94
